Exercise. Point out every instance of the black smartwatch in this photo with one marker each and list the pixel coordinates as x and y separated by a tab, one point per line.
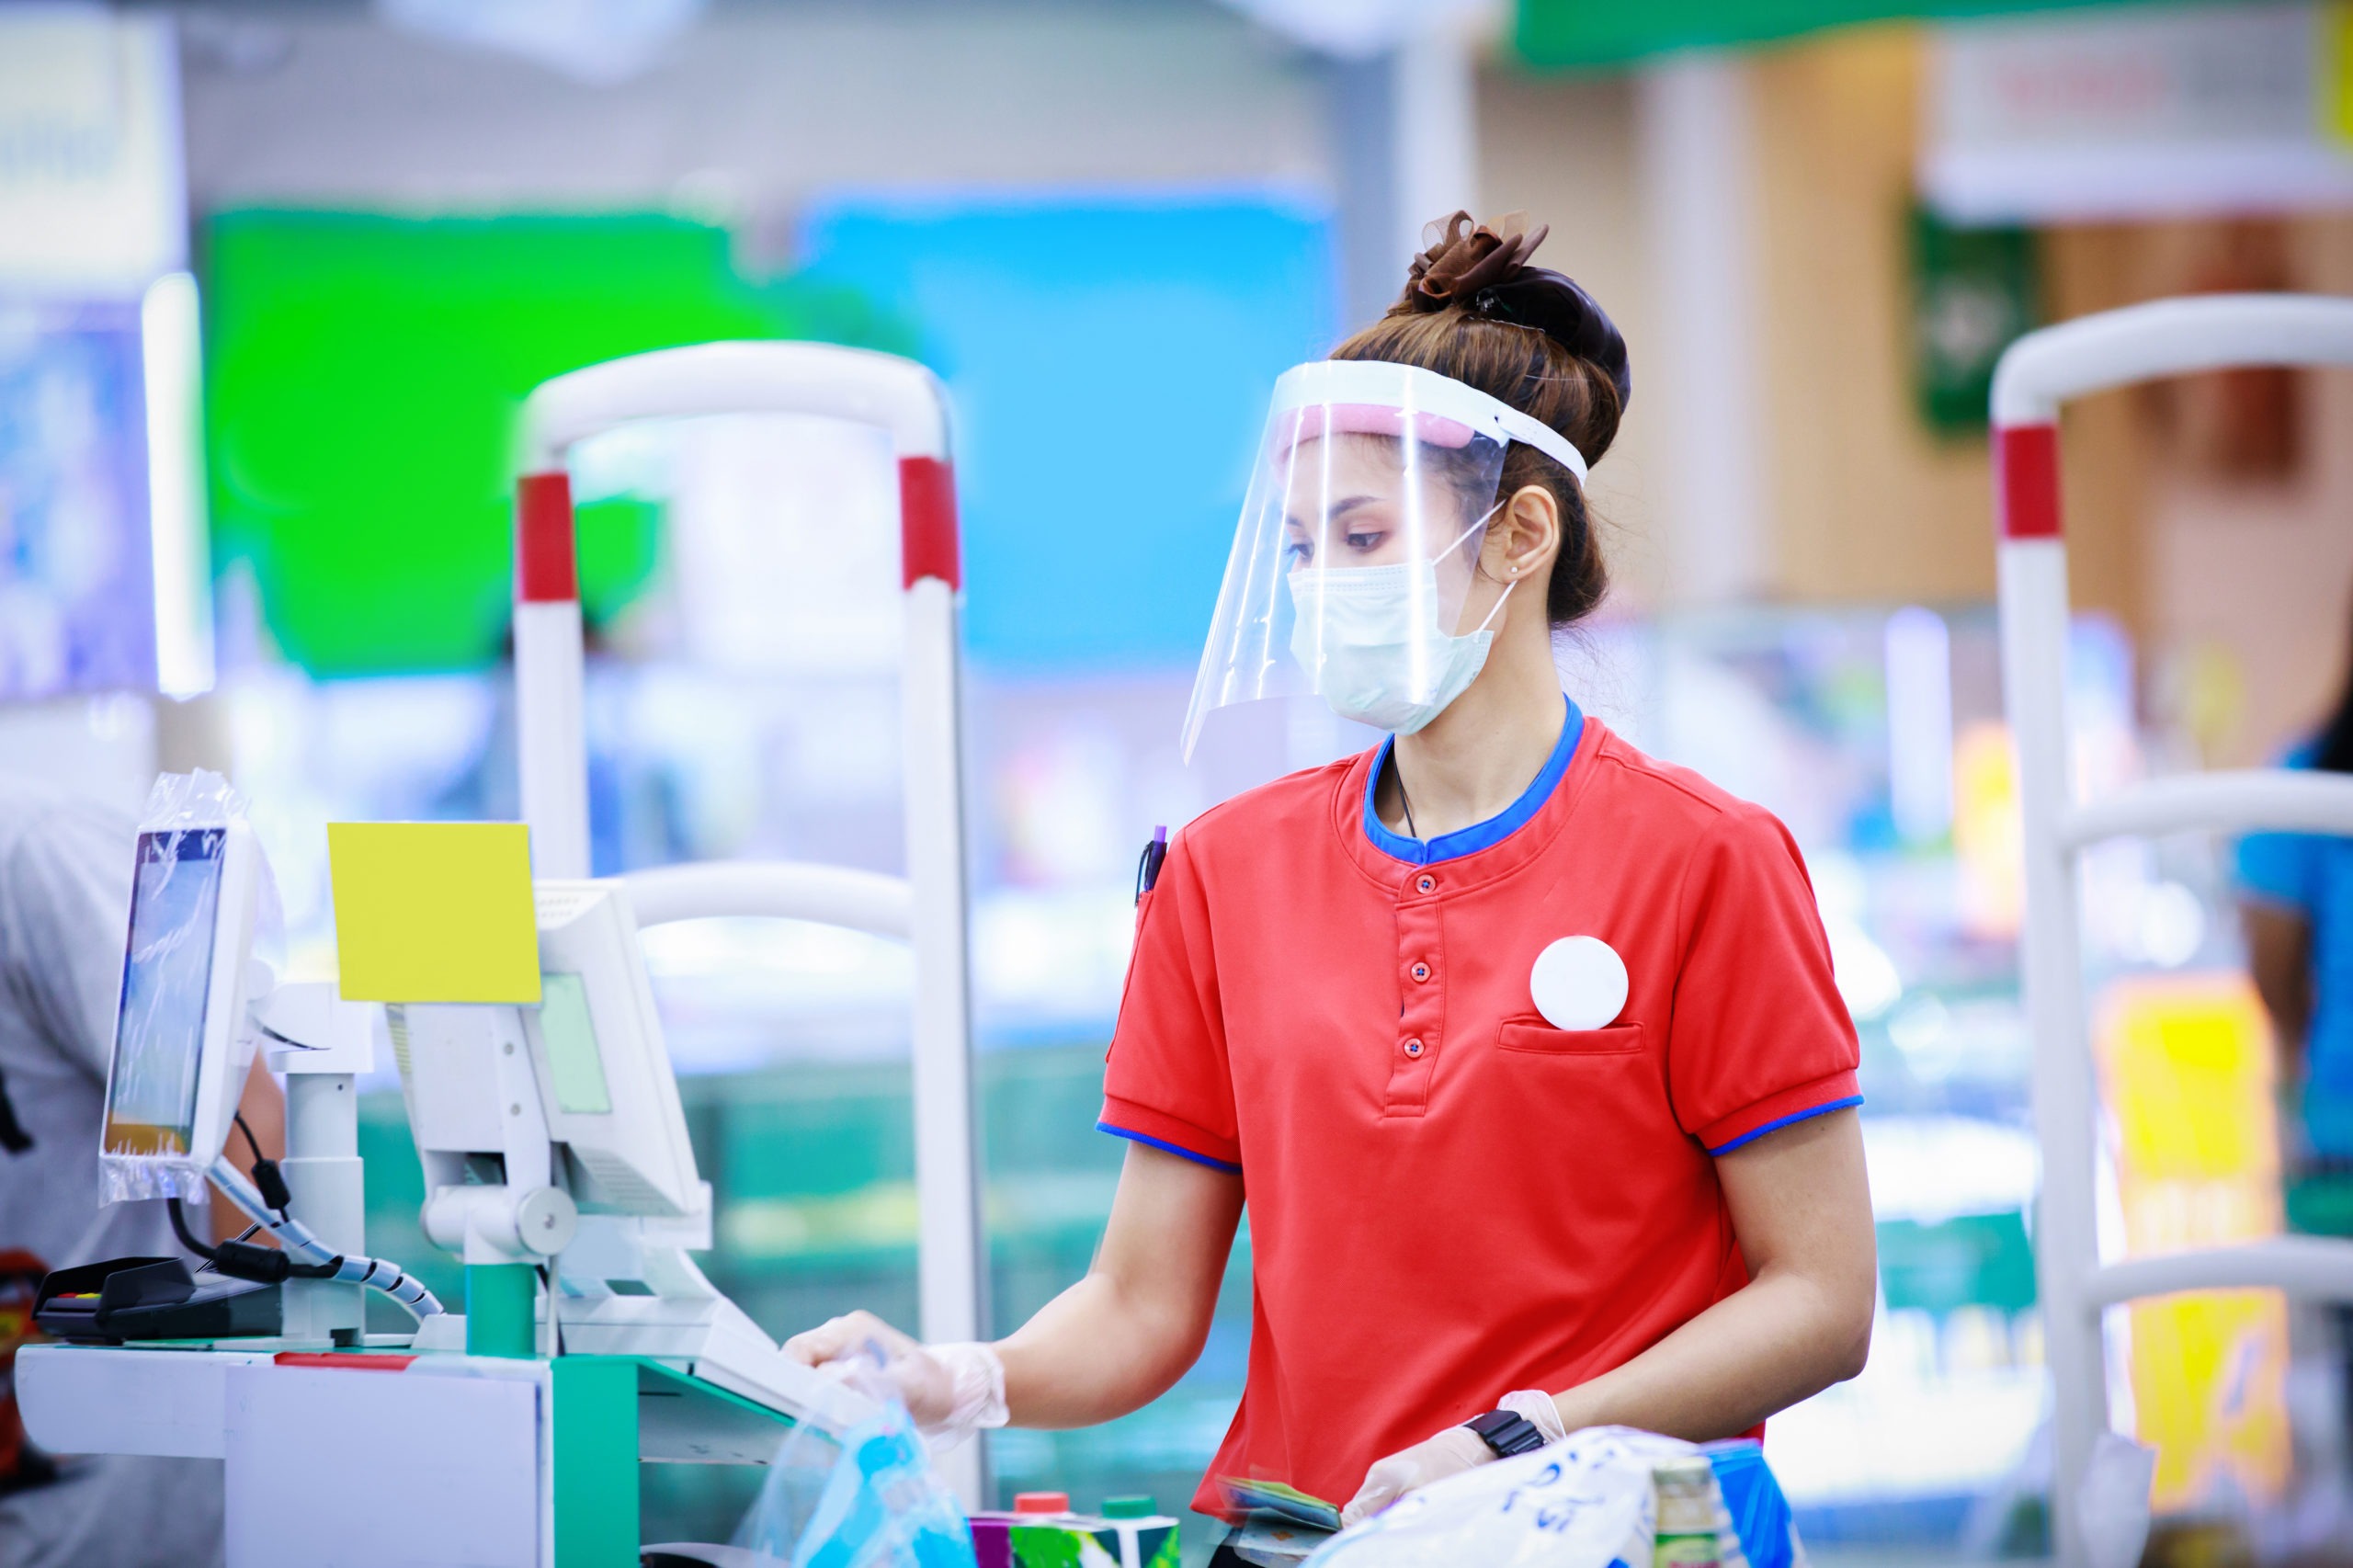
1507	1432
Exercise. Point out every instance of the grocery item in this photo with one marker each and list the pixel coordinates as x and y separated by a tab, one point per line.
1685	1534
1042	1532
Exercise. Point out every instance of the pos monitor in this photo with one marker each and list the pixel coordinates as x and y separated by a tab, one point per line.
552	1136
608	1094
574	1097
181	1043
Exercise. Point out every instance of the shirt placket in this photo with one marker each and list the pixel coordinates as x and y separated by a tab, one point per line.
1421	982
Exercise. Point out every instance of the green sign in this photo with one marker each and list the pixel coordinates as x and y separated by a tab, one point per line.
363	376
1981	1260
1974	291
1567	34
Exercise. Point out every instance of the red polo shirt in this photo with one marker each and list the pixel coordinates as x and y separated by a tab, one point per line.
1449	1197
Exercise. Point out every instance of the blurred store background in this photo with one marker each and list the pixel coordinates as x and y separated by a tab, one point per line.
274	279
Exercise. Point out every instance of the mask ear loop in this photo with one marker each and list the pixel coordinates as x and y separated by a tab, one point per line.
1499	609
1450	549
1475	526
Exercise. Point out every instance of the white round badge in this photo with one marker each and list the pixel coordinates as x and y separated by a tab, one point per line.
1579	983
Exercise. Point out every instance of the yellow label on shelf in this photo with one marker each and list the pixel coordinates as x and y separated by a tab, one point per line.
434	911
2186	1067
2336	93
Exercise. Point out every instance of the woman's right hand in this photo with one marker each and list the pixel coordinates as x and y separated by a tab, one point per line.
1111	1342
950	1389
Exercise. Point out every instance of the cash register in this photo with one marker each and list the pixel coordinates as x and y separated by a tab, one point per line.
558	1169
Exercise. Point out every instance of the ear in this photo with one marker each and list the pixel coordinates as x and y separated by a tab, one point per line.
1524	536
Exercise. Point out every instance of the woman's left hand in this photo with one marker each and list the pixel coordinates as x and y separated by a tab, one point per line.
1451	1452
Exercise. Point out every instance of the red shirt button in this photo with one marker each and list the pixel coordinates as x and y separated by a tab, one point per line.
1414	1047
1424	882
1421	971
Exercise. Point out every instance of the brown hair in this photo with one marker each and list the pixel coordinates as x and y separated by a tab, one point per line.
1473	311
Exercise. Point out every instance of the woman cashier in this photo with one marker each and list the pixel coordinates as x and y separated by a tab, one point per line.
1522	1045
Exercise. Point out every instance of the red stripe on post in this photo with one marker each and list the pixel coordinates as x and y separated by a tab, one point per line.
546	570
2026	481
927	543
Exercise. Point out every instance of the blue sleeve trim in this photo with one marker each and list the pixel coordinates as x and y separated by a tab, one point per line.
1176	1149
1754	1133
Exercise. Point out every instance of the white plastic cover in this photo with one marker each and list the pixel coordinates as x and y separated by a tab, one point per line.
199	901
1353	567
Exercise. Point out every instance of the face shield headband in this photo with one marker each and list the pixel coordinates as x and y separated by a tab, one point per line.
1359	542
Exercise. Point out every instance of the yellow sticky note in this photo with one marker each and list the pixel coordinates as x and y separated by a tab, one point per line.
2336	72
434	911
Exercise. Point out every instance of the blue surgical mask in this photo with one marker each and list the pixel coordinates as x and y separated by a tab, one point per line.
1369	639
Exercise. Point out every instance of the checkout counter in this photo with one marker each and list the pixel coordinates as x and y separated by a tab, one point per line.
557	1166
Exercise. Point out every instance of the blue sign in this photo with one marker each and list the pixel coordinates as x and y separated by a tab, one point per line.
1109	361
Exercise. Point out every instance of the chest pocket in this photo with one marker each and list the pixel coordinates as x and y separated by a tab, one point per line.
1531	1038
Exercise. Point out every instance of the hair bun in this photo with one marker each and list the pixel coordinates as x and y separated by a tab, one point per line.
1483	268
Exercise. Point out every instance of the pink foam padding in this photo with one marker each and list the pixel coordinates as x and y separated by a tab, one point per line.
1315	421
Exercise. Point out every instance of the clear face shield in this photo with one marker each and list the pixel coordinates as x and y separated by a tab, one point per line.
1355	571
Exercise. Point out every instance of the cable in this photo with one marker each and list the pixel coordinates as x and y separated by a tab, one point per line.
308	1257
237	1258
251	1141
234	1259
180	1229
266	1175
305	1257
1404	799
299	1255
212	1265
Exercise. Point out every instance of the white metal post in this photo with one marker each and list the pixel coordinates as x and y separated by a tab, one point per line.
551	675
322	1044
2033	590
551	734
905	399
2036	375
1696	137
327	1184
950	1273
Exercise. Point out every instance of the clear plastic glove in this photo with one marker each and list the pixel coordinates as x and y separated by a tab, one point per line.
951	1390
1456	1450
1453	1451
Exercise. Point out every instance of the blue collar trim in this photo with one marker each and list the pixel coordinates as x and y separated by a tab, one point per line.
1478	836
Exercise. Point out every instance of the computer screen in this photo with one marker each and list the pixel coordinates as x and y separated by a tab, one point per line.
167	982
610	1096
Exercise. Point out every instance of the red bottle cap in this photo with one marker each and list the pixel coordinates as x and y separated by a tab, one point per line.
1041	1503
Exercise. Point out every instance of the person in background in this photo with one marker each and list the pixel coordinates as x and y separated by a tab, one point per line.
2296	900
2296	906
64	907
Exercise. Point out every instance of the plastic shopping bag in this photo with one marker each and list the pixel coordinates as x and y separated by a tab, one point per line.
1754	1506
2112	1502
868	1499
1585	1501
